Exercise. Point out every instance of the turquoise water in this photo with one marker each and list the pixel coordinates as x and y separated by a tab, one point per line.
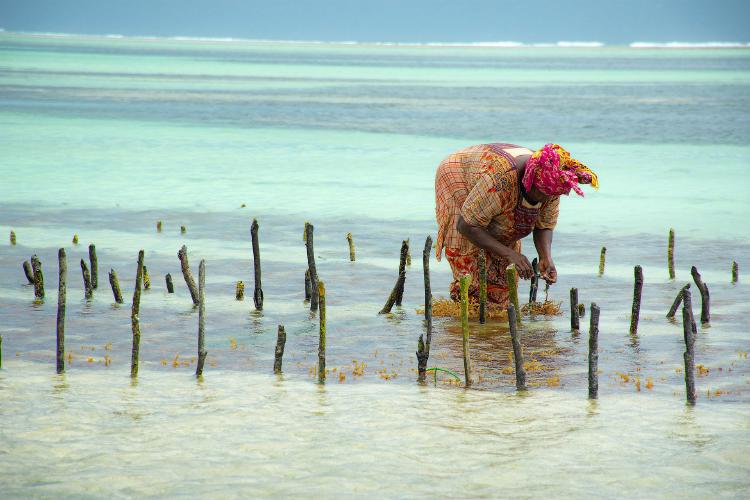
103	137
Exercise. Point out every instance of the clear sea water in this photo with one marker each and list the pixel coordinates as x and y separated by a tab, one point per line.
102	137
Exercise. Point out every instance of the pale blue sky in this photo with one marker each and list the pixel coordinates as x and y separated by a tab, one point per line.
612	22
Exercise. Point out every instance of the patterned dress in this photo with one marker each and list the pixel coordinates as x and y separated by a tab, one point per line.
481	184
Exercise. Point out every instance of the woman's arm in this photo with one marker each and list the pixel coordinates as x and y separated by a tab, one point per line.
483	239
543	244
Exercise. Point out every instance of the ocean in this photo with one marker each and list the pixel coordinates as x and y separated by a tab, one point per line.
104	136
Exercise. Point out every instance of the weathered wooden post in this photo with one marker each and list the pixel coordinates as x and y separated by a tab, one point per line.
88	289
12	237
350	240
404	260
36	267
602	256
574	321
511	278
201	318
279	352
670	254
146	279
189	280
28	272
158	226
309	246
482	286
705	297
689	332
63	273
398	288
534	281
308	285
134	320
258	293
517	351
239	291
594	352
677	301
427	290
735	272
115	284
170	285
637	291
422	357
464	286
183	230
94	267
75	239
322	332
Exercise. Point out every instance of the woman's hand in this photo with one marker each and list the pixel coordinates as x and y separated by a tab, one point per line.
523	266
548	271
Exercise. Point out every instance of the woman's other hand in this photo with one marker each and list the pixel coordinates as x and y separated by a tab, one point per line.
548	271
523	266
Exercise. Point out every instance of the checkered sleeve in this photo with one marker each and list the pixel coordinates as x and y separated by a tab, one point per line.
548	214
489	197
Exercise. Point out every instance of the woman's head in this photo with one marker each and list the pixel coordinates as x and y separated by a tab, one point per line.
553	172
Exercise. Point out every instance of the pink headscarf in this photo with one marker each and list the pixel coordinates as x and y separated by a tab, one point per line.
554	172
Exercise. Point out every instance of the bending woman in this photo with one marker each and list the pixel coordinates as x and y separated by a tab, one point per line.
489	197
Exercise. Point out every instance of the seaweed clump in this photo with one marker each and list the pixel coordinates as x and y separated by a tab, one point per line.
447	308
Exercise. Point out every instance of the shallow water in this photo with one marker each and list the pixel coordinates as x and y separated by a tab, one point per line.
104	137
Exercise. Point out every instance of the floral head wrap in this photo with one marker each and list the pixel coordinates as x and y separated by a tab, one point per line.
554	172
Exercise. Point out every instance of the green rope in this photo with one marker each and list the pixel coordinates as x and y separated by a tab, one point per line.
436	369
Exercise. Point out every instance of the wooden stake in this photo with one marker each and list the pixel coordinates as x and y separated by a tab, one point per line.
189	280
534	281
517	351
352	256
28	272
134	321
36	267
146	279
322	333
94	267
308	285
581	311
510	277
398	288
279	353
258	293
75	239
427	291
464	286
63	273
594	352
670	254
1	351
689	333
602	256
12	237
239	291
158	226
170	285
482	286
115	284
735	272
309	245
637	290
422	356
201	318
677	301
88	290
705	297
403	261
574	322
183	230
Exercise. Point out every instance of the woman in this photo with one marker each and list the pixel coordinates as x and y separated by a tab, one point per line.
492	195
